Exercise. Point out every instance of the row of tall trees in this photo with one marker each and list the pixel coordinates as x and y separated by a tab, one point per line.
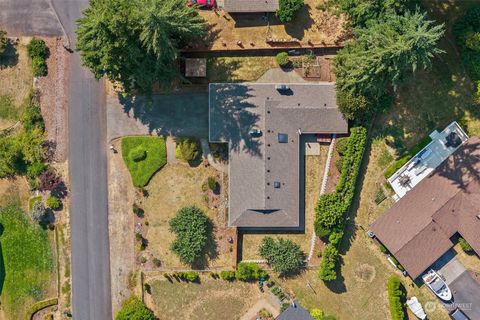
135	42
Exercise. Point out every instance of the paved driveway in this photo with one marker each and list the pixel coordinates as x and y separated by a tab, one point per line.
465	290
28	18
175	114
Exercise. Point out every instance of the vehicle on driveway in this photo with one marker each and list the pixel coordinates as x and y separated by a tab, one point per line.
437	285
204	4
458	314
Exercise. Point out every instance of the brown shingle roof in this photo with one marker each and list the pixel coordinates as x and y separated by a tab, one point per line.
416	230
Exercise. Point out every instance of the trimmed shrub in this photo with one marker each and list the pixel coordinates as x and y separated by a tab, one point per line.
192	276
138	154
383	249
212	183
396	298
287	9
54	203
188	149
328	264
282	59
134	309
39	67
341	145
191	227
465	245
38	52
249	271
227	275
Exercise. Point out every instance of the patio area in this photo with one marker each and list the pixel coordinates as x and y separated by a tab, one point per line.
443	144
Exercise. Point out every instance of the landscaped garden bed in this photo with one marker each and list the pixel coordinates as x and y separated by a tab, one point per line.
171	189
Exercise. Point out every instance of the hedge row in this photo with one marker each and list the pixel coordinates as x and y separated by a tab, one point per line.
34	308
331	208
396	298
404	159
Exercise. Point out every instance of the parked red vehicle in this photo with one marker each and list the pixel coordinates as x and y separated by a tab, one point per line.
206	4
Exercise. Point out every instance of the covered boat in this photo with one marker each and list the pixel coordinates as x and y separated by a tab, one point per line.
416	308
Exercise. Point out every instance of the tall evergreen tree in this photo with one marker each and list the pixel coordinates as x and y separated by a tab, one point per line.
384	52
135	42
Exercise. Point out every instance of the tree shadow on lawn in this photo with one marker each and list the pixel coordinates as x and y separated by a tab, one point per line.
9	58
210	251
300	22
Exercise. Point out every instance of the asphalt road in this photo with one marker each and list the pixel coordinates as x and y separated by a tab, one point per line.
88	178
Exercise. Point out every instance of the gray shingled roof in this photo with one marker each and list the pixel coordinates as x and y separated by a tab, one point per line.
265	175
295	312
239	6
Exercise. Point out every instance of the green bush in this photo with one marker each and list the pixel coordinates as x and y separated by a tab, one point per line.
37	48
188	149
54	203
134	309
341	145
287	9
191	227
339	164
36	169
192	276
137	210
284	255
38	52
465	245
396	298
138	154
39	67
156	157
249	271
227	275
282	59
383	249
212	183
327	271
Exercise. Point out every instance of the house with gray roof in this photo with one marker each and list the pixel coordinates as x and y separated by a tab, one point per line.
266	130
295	312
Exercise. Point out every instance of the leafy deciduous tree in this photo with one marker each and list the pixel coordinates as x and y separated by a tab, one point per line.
285	256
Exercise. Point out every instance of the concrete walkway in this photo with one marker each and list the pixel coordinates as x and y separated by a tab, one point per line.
171	147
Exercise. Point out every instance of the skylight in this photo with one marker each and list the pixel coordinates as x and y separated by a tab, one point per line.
282	137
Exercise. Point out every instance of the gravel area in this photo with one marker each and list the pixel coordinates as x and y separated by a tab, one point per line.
53	99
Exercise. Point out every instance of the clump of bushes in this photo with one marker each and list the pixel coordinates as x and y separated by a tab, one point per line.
38	52
467	33
465	245
190	276
396	298
282	59
188	149
191	227
227	275
331	208
249	271
276	290
287	9
134	309
284	255
138	210
54	203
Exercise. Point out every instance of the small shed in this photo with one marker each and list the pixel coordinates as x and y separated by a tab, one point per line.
195	67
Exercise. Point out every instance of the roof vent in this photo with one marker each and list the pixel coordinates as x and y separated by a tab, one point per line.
276	185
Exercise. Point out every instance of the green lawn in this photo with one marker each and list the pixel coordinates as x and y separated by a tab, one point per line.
26	262
143	156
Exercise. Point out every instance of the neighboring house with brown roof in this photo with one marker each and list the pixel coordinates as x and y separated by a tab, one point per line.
266	130
419	228
246	6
